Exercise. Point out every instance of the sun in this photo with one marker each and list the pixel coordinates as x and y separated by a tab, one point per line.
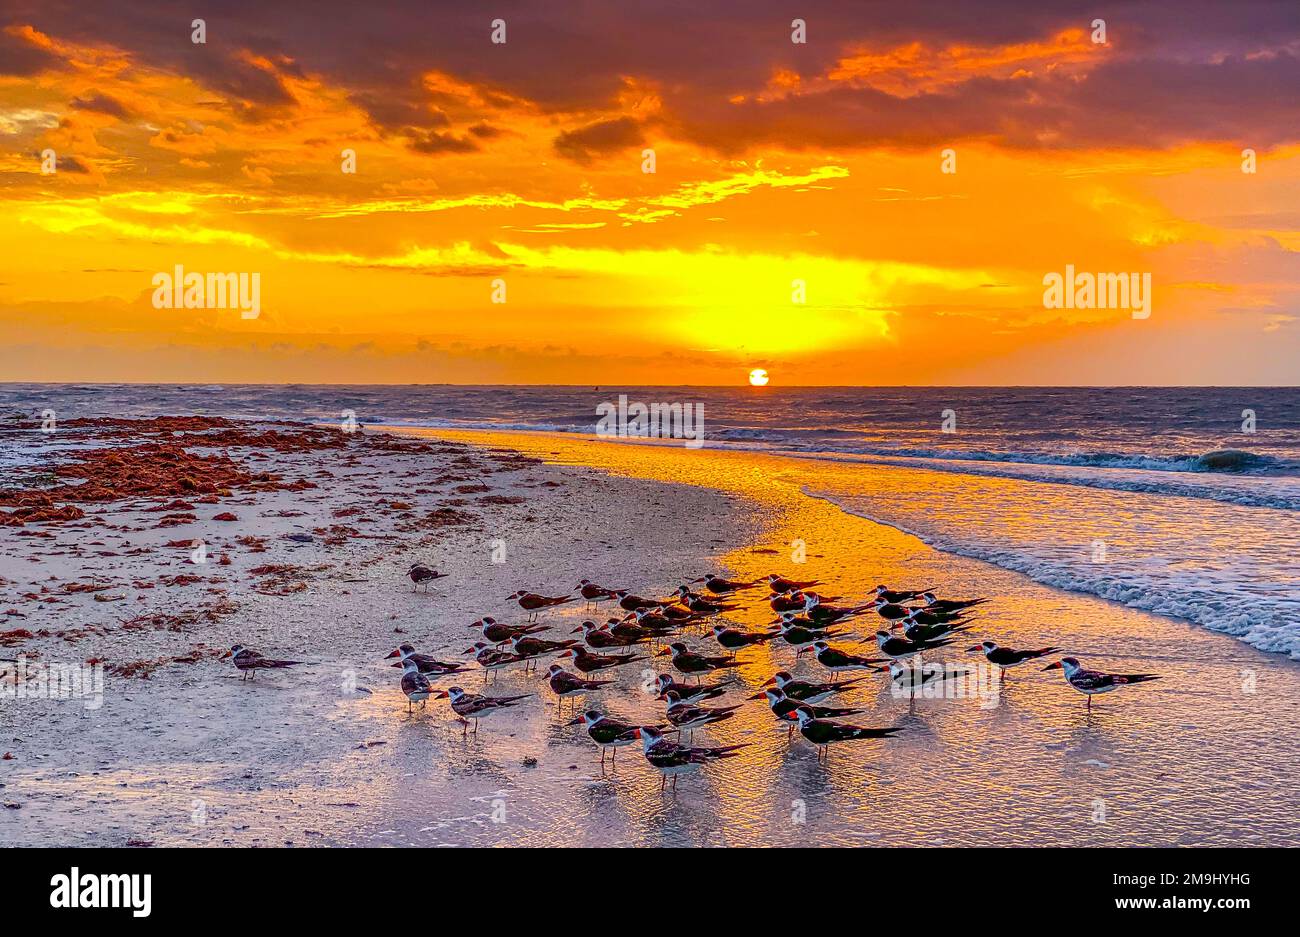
758	377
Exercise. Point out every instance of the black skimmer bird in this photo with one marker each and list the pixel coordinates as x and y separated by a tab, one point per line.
686	716
692	664
1092	682
532	603
783	707
249	661
675	615
423	662
529	646
934	604
498	632
643	623
702	605
885	594
630	603
802	635
901	647
820	614
719	586
1006	657
472	706
654	618
823	734
733	639
673	759
924	616
689	692
421	575
805	692
592	593
414	684
607	733
602	639
492	658
914	630
786	601
565	684
590	663
891	611
839	661
908	678
781	584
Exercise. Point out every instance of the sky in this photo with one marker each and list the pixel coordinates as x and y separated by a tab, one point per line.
803	215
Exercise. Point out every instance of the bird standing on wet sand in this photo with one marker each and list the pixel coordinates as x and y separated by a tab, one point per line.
781	584
702	605
692	664
421	575
532	603
673	759
783	707
423	662
914	630
823	734
414	684
719	586
687	716
249	661
529	646
909	677
592	593
690	692
498	632
733	639
492	658
838	660
933	604
564	684
820	614
1006	657
607	733
802	635
885	594
590	663
630	603
1092	682
472	706
902	647
805	692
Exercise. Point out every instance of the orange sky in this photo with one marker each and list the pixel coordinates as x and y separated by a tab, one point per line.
819	163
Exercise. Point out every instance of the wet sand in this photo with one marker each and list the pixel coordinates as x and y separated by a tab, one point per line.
194	756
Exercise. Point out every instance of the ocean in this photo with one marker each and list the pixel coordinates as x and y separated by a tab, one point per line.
1107	491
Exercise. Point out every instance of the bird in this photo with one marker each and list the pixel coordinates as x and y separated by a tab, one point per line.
891	611
1006	657
249	661
792	601
423	662
590	663
492	658
806	692
607	733
947	605
1092	682
693	664
673	759
472	706
564	684
630	603
839	661
733	639
823	734
529	646
689	692
686	716
422	575
820	614
925	616
593	593
414	684
885	594
917	631
781	584
908	678
532	603
644	622
702	605
802	635
601	639
902	647
719	586
674	614
498	632
783	707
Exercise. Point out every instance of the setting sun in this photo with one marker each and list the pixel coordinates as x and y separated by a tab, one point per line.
758	377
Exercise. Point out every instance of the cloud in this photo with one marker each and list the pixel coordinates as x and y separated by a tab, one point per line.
101	104
602	138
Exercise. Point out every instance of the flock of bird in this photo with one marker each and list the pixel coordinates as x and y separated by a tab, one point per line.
806	621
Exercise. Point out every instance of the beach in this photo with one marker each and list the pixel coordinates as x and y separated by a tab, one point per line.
181	751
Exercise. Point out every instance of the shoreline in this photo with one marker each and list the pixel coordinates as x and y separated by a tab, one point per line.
295	758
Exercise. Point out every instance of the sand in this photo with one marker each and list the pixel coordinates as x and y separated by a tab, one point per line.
325	753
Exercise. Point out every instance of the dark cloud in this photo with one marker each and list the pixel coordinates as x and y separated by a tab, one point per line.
431	141
599	139
20	57
102	104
